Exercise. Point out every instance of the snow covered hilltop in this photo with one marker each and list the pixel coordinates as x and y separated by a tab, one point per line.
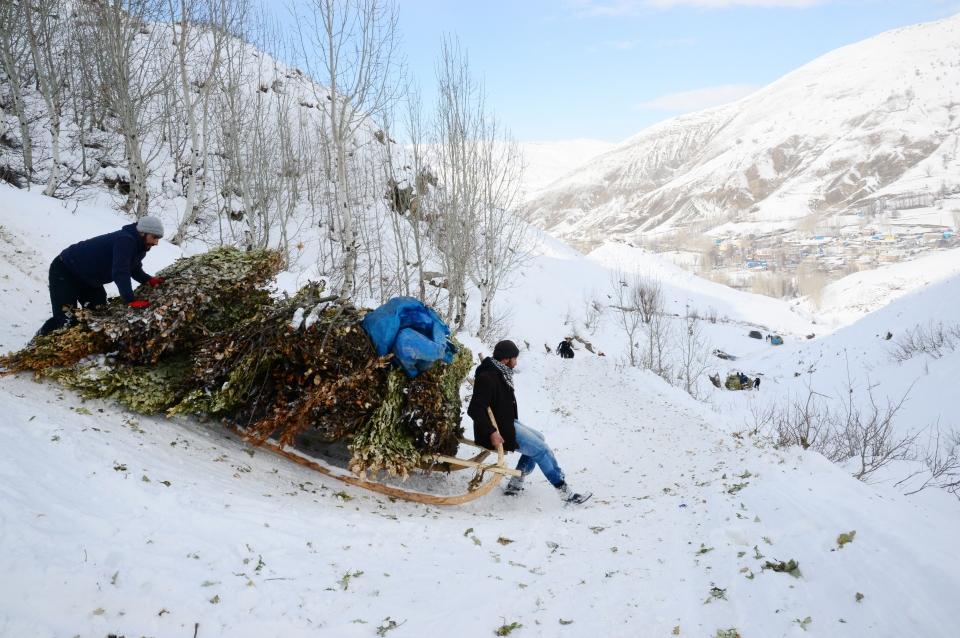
856	154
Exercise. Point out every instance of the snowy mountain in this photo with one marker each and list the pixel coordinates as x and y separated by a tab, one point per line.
850	139
114	523
544	162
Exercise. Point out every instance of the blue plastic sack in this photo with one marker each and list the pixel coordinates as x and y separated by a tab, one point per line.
413	332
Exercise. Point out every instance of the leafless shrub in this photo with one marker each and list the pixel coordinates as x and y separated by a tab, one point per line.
933	339
694	355
591	314
849	433
870	437
941	462
626	295
649	297
656	349
712	314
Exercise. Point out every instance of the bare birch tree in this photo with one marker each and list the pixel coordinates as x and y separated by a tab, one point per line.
624	294
457	200
350	46
48	27
500	231
416	140
14	55
132	66
201	29
694	354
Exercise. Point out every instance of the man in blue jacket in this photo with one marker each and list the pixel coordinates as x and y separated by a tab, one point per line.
78	274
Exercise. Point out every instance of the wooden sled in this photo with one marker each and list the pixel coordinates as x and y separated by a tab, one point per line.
478	486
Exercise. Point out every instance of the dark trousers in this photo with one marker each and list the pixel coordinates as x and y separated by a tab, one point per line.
67	290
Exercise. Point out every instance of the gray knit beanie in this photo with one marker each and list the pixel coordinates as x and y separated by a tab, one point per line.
150	225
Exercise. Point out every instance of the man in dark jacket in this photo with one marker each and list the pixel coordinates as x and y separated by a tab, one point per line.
565	349
493	389
78	274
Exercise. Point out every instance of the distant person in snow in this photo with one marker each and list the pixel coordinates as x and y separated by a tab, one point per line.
78	274
756	383
493	390
565	349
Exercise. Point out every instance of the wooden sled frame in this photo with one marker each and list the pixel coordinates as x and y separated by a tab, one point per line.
478	486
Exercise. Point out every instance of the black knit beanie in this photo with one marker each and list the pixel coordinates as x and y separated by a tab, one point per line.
506	349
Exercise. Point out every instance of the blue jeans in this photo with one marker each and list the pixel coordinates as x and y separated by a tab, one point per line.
534	451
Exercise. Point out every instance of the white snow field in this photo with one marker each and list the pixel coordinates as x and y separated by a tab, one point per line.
112	523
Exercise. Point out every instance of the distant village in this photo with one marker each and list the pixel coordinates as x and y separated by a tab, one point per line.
818	250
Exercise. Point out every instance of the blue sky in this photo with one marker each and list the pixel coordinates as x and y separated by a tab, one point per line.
606	69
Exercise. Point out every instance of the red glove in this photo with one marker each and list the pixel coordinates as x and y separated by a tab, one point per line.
156	281
139	303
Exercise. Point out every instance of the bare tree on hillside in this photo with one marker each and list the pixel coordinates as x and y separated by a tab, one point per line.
656	352
625	291
694	354
649	297
48	33
200	31
416	136
458	199
86	104
500	231
354	43
14	58
132	67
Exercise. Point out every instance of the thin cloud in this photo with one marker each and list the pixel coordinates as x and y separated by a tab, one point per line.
615	8
699	99
723	4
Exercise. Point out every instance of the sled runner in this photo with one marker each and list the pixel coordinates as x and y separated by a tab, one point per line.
478	486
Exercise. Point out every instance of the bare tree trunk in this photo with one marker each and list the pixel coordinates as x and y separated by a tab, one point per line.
356	42
415	133
501	232
47	31
220	20
132	71
13	55
458	129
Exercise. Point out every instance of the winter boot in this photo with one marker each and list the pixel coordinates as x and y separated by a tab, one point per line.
568	496
515	486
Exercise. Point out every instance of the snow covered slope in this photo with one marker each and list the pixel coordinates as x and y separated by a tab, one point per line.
877	118
114	523
544	162
861	357
858	294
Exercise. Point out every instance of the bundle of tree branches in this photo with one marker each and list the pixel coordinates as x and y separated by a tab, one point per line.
214	343
201	295
303	363
306	366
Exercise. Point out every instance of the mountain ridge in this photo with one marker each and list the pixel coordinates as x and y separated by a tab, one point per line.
871	119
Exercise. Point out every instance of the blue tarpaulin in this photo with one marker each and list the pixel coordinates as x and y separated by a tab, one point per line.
413	332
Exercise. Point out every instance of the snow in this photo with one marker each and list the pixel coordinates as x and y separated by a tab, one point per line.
115	523
545	162
856	295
